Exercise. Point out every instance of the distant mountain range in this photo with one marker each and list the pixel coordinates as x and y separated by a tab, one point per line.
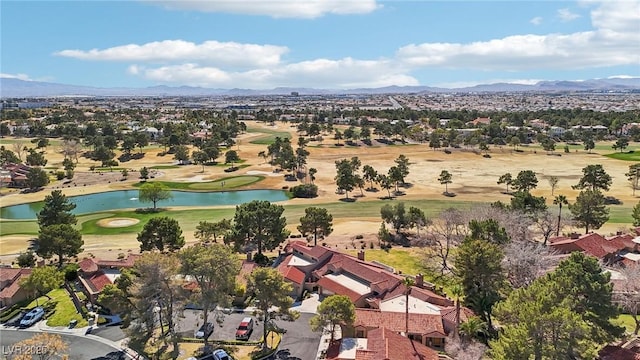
15	88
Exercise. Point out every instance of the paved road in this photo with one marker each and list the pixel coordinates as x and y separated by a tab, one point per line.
80	348
113	333
299	342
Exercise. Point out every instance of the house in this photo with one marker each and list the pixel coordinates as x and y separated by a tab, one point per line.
95	274
380	343
10	290
376	290
480	121
246	268
17	174
426	329
626	350
608	250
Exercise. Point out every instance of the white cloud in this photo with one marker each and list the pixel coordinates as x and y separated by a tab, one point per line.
278	9
320	73
614	41
566	15
209	52
24	77
536	20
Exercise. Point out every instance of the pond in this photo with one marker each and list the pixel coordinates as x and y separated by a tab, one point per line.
128	199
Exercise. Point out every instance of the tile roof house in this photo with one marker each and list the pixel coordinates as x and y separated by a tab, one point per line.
10	290
375	289
427	329
381	344
609	249
95	274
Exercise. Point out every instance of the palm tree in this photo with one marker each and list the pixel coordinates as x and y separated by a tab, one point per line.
408	282
457	292
559	200
472	328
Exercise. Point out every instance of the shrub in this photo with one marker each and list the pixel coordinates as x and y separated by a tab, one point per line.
59	175
261	259
359	236
305	191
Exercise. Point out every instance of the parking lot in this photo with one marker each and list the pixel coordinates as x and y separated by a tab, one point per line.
224	325
298	343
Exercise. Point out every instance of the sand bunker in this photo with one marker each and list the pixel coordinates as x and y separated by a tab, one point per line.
117	222
267	173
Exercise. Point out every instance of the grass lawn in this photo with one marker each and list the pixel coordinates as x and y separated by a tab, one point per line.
230	182
65	310
626	156
270	136
189	218
405	260
627	321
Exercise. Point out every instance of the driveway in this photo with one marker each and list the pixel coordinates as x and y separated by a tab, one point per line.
299	342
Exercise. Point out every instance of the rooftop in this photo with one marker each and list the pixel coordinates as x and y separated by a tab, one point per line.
350	282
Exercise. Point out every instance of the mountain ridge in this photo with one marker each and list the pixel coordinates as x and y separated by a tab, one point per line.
17	88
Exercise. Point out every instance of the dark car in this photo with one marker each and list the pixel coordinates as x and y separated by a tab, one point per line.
205	331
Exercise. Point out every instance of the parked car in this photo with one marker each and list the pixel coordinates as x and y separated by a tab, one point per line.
32	317
220	354
244	329
205	331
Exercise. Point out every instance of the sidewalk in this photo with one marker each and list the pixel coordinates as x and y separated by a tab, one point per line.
324	342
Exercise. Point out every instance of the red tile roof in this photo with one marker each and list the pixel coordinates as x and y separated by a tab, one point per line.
128	262
9	274
9	291
87	265
449	314
593	244
611	352
339	289
245	270
383	343
395	321
98	281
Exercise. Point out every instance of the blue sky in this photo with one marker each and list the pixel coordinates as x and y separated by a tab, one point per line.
264	44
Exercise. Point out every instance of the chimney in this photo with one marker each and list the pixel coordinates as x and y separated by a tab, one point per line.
361	255
419	280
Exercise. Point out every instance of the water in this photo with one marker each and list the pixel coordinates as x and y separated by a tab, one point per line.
128	199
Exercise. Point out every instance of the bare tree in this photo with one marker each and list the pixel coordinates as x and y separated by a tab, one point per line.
525	261
71	149
469	350
553	183
516	223
19	148
448	231
546	224
627	294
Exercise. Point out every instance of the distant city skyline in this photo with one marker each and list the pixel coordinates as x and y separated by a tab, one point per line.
330	44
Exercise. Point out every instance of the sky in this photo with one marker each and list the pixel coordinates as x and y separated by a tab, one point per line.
329	44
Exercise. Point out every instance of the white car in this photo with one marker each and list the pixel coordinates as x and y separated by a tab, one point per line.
32	317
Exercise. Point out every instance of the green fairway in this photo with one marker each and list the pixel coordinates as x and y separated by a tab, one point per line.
230	182
190	218
626	156
270	135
